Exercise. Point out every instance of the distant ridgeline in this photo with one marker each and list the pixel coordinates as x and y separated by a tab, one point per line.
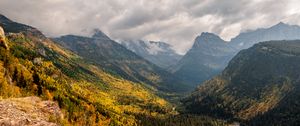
210	54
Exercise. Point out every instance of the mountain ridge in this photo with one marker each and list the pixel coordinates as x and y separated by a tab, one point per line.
87	95
116	59
213	53
255	82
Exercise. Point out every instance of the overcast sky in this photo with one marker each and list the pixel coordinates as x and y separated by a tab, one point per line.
177	22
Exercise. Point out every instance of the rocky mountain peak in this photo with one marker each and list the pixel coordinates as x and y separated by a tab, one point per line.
98	34
280	25
209	39
208	35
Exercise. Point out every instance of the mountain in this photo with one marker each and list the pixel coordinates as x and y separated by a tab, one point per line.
33	65
159	53
13	27
207	57
77	88
100	35
280	31
210	54
116	59
260	84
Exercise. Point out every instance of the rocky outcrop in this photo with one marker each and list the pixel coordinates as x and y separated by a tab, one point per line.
1	32
2	39
29	111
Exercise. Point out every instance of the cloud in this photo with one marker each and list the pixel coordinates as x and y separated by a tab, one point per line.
177	22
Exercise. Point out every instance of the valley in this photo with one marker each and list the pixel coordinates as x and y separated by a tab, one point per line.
98	79
88	90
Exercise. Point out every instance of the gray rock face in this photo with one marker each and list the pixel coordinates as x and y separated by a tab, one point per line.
208	56
159	53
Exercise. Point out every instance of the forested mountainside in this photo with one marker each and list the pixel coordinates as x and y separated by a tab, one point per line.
159	53
259	86
116	59
149	63
87	94
97	81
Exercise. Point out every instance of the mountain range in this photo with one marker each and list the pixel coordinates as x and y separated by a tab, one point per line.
280	31
253	79
88	91
116	59
210	54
